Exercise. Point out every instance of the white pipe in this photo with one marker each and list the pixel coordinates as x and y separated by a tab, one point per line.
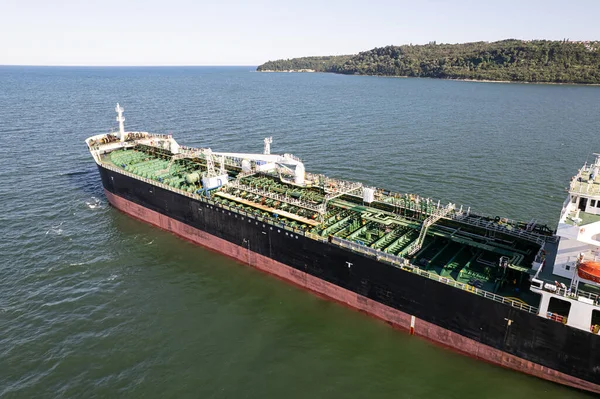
260	157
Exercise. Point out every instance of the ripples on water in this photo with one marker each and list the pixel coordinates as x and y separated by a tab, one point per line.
93	303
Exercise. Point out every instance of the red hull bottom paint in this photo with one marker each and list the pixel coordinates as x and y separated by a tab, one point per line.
393	316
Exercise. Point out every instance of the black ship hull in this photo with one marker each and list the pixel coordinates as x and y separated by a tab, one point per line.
468	323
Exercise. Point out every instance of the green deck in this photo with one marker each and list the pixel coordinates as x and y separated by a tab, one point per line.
459	252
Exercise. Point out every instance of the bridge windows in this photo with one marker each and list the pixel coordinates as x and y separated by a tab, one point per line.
595	327
582	204
558	310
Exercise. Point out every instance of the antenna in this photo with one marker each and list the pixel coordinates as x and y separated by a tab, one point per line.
586	160
268	141
121	120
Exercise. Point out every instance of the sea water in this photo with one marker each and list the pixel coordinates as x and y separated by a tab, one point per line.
94	303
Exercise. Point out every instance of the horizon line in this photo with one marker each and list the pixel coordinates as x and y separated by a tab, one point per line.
124	66
566	40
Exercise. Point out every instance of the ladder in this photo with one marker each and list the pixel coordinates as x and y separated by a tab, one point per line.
418	243
574	280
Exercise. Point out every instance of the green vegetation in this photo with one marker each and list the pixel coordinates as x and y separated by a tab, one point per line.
506	60
317	64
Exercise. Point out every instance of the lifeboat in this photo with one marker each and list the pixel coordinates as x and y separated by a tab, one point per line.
589	270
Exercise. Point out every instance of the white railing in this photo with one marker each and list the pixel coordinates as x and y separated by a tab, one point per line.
379	255
334	186
577	183
160	136
460	216
574	294
587	187
292	157
211	202
368	251
150	181
192	152
342	188
491	225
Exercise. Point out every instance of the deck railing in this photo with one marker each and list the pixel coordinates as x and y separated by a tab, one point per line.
489	225
405	264
379	255
568	293
209	201
464	217
319	208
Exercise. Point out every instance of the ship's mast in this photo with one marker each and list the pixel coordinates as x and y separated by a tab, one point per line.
268	141
121	120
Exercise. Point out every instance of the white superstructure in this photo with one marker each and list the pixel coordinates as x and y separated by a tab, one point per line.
578	228
579	224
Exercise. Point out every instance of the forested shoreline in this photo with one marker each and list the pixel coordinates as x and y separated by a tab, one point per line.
537	61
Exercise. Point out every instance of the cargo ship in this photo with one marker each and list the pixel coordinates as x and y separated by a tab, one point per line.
516	294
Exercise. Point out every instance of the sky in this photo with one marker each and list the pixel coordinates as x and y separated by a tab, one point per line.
227	32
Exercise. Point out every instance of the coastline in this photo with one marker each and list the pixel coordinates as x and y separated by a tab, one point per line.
519	81
427	77
290	70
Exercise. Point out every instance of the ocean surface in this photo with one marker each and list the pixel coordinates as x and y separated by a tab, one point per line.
95	304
